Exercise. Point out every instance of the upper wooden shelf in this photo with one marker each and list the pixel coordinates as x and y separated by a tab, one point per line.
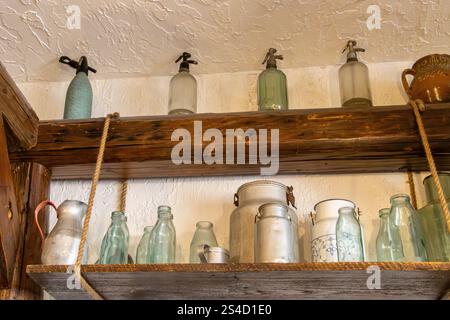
339	140
250	281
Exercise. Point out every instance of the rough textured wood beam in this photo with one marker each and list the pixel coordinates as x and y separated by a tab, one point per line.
19	116
340	140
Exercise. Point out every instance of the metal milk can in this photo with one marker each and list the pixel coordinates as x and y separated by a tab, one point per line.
323	239
274	240
249	197
209	254
61	245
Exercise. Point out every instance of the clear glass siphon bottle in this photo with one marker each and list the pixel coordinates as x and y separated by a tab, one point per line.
354	79
143	248
163	238
383	242
204	234
406	237
272	85
432	221
114	249
183	88
348	236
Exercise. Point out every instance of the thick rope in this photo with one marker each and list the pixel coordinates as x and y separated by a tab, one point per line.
412	189
418	106
123	195
89	289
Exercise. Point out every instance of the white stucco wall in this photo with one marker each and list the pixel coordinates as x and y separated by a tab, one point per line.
194	199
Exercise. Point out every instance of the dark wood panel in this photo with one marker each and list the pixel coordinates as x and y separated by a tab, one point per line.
9	215
251	281
20	117
377	139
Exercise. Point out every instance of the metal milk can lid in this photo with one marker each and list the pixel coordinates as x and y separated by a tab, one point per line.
274	209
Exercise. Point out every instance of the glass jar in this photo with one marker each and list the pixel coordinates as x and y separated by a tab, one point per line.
163	238
143	248
383	242
432	221
406	237
114	249
348	236
204	234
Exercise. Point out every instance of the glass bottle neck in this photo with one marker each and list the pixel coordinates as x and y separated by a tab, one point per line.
400	199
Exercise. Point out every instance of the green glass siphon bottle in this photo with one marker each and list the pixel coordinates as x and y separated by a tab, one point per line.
78	104
272	85
407	242
432	221
114	249
348	236
143	248
163	238
204	234
383	242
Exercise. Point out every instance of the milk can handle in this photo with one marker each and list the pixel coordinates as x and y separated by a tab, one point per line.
201	253
405	84
39	207
313	218
290	198
236	200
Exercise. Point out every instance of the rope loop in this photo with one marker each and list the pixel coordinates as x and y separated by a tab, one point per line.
418	106
95	178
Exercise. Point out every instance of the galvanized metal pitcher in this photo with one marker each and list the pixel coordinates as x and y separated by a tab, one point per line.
61	245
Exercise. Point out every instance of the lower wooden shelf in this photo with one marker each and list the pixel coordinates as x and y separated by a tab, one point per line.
250	281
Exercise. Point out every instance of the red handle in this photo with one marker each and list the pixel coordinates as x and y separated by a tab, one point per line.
39	207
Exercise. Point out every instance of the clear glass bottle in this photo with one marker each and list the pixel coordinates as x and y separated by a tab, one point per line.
143	248
348	236
383	242
163	238
114	249
204	234
183	88
432	221
272	85
354	79
406	237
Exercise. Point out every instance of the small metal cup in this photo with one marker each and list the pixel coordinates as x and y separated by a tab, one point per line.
209	254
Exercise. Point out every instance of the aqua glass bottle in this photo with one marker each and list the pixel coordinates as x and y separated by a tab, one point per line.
114	249
383	242
163	238
143	248
204	234
348	236
404	229
78	104
432	221
272	85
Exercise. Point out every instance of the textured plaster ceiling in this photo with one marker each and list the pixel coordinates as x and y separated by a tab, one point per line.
137	37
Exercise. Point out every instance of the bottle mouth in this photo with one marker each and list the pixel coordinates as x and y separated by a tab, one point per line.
383	212
346	210
204	224
400	196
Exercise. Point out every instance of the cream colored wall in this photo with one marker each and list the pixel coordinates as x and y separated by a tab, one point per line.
194	199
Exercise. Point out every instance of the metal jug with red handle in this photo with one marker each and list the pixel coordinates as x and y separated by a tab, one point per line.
61	245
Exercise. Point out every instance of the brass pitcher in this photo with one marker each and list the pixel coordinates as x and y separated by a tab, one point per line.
431	82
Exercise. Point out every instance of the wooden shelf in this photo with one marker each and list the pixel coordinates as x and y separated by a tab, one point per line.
340	140
250	281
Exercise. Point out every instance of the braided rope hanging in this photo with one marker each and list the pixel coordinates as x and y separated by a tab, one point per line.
418	107
77	269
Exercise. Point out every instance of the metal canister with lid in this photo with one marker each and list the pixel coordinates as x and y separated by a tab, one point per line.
248	199
274	239
209	254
